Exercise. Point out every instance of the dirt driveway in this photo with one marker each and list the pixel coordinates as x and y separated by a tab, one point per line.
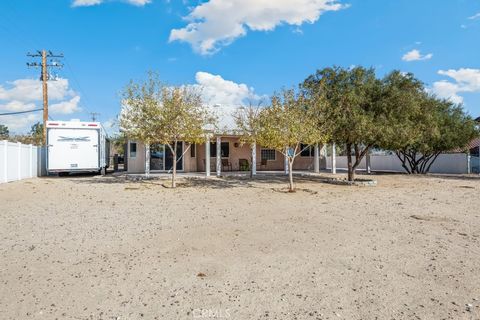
108	248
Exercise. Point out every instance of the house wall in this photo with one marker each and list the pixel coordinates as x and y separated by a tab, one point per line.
136	164
189	162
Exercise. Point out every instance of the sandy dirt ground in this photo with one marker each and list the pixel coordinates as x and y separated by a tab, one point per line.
109	248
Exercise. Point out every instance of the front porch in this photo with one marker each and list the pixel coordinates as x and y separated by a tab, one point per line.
224	155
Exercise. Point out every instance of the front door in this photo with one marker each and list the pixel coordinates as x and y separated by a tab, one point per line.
169	157
157	157
161	157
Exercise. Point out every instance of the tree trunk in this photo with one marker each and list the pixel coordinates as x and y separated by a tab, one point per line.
433	160
174	173
403	161
351	173
359	155
290	176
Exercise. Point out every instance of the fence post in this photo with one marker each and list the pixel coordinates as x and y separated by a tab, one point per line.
469	159
334	159
19	160
207	157
5	161
368	163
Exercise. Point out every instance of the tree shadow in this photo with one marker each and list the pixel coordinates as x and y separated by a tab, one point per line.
460	177
183	181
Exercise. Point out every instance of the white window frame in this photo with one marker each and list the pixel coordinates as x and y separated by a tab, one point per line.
130	150
310	149
267	149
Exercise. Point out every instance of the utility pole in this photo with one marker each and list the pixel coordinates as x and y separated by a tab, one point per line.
44	77
94	116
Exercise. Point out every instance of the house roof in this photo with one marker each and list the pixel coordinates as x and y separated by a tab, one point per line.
475	143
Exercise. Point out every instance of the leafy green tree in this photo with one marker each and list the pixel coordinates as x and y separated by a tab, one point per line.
287	124
348	109
36	134
4	132
419	127
156	113
118	142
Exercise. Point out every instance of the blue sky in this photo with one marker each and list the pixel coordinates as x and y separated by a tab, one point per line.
235	49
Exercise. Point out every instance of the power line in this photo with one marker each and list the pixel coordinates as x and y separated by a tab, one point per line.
77	83
19	112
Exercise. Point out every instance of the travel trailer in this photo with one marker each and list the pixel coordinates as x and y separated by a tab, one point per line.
75	146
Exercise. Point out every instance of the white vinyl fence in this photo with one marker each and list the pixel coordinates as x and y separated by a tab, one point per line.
453	163
19	161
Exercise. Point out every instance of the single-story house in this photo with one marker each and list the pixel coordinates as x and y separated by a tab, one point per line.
222	152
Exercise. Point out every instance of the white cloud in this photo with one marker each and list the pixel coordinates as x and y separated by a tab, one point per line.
66	107
31	90
21	124
14	106
26	94
85	3
447	90
218	23
474	17
465	80
216	90
415	55
88	3
224	96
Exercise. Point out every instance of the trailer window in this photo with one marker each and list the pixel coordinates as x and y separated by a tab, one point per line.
133	149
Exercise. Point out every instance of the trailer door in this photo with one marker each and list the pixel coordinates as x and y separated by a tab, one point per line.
73	149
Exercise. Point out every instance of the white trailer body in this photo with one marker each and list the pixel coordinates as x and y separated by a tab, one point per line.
75	146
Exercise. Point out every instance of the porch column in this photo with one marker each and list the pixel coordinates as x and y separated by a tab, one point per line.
254	158
324	154
207	157
147	160
334	159
316	159
219	156
286	160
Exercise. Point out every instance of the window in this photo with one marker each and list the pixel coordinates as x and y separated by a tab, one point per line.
306	150
268	154
133	149
193	150
224	147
